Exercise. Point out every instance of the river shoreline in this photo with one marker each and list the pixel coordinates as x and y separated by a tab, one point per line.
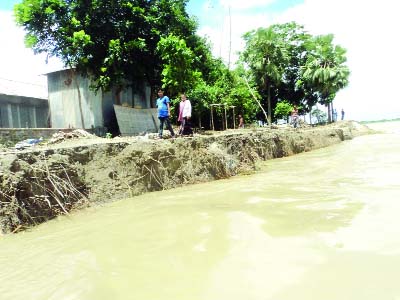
41	183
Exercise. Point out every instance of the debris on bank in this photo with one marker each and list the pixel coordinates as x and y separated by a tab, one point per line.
28	143
60	136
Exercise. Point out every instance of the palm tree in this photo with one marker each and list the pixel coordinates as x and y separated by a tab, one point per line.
325	69
266	54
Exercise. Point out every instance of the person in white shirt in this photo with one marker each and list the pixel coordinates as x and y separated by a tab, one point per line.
185	113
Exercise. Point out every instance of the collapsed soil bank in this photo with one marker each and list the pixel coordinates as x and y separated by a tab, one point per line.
38	184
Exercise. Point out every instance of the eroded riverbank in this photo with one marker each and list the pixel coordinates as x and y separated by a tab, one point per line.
319	225
41	183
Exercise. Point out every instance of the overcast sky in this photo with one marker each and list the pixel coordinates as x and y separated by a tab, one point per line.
367	29
16	61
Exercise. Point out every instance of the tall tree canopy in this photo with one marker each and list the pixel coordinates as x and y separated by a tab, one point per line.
325	69
122	42
267	56
289	64
179	72
118	42
112	40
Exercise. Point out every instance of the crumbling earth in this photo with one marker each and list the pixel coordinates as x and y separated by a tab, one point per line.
66	173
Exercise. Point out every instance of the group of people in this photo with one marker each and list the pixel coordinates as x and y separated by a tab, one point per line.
334	115
185	113
295	116
163	104
164	112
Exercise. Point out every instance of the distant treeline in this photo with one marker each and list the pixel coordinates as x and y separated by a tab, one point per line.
380	121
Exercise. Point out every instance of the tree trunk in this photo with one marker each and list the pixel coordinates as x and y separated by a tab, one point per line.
329	113
269	105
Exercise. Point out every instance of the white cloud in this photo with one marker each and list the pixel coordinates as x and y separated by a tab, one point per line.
368	30
18	62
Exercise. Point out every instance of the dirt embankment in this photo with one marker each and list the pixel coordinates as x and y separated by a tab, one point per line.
41	183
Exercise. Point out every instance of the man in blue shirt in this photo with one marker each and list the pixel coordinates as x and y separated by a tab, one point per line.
164	111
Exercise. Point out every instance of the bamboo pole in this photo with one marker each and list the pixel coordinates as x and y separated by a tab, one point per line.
234	124
258	102
226	119
212	118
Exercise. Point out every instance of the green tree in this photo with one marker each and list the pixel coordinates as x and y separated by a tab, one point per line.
319	115
288	63
113	41
296	39
266	53
223	86
325	69
283	110
178	72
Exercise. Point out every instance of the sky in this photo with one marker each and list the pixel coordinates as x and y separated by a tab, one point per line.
16	61
367	29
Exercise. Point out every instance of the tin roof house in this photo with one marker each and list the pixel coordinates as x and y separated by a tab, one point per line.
23	105
73	104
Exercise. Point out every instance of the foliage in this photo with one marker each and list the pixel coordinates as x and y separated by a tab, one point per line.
325	69
288	63
123	42
296	40
283	109
178	73
228	87
267	56
319	115
114	41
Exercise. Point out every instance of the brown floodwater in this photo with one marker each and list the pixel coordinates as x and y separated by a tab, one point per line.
319	225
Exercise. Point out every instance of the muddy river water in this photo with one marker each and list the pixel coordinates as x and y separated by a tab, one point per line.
320	225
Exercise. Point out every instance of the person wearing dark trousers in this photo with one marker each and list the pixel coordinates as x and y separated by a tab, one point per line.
185	113
295	116
164	111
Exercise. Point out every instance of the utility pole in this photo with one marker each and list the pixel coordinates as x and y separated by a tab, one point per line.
230	38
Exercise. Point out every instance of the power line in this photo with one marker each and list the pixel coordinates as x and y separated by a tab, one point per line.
24	82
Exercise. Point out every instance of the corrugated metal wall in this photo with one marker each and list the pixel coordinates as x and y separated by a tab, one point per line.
96	110
133	121
23	112
72	103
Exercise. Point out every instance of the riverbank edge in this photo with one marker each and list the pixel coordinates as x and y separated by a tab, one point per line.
39	184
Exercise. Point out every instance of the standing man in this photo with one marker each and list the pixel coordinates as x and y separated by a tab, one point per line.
164	111
342	114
